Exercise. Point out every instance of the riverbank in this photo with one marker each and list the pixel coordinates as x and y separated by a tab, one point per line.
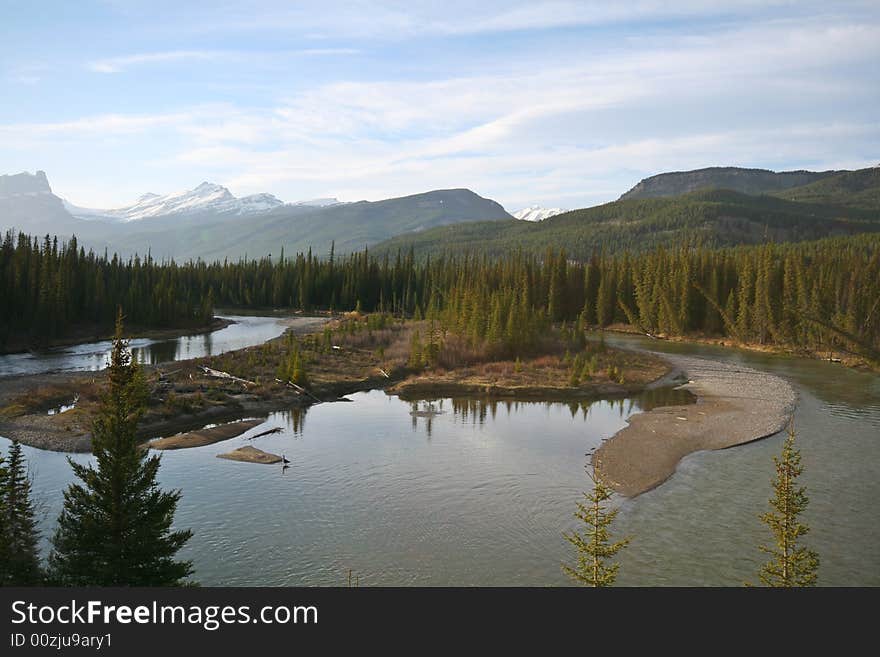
735	405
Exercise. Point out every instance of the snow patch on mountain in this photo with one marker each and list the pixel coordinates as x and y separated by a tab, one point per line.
207	197
537	213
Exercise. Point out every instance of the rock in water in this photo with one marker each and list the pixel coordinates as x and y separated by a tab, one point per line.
250	454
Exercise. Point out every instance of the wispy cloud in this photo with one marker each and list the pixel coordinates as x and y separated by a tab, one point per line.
119	64
122	63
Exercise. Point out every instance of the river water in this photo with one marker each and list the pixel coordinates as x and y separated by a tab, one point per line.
245	331
701	526
476	493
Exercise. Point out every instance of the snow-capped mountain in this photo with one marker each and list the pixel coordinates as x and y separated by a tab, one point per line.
207	197
537	213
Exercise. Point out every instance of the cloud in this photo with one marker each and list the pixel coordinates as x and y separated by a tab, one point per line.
119	64
417	19
552	127
122	63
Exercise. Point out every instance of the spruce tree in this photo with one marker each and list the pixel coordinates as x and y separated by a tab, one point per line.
115	528
594	546
791	564
21	558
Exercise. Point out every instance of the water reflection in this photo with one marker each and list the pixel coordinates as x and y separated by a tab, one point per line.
244	332
477	411
294	420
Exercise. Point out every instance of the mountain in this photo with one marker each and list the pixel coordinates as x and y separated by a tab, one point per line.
24	184
27	200
746	181
537	213
851	188
208	222
298	228
206	198
712	217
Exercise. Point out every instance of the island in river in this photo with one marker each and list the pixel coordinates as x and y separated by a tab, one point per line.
304	367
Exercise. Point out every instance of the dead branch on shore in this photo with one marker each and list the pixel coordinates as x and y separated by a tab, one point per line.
218	374
299	389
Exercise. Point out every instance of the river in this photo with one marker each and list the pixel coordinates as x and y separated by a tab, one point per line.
245	331
479	494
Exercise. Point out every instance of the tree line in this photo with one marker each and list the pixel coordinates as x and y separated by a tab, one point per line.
809	295
49	289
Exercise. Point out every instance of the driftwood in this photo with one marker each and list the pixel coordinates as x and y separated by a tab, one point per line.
299	389
226	375
266	433
384	373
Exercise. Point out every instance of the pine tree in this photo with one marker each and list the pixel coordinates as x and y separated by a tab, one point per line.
791	564
594	546
115	528
21	564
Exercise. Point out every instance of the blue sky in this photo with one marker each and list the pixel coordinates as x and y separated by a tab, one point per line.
554	103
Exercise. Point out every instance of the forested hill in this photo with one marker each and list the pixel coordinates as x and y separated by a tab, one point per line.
747	181
712	218
857	189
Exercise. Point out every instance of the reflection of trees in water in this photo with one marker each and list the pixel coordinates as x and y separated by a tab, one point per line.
476	410
426	411
295	419
157	352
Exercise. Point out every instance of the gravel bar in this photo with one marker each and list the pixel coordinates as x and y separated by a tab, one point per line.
735	405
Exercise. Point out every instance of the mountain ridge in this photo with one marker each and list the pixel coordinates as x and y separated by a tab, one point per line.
738	179
713	217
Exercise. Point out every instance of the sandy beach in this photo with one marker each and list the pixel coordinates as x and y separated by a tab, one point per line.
735	405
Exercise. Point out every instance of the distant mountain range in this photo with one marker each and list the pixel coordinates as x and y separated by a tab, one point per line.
207	197
717	206
537	213
209	222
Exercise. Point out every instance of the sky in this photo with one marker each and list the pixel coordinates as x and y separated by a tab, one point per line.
561	104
